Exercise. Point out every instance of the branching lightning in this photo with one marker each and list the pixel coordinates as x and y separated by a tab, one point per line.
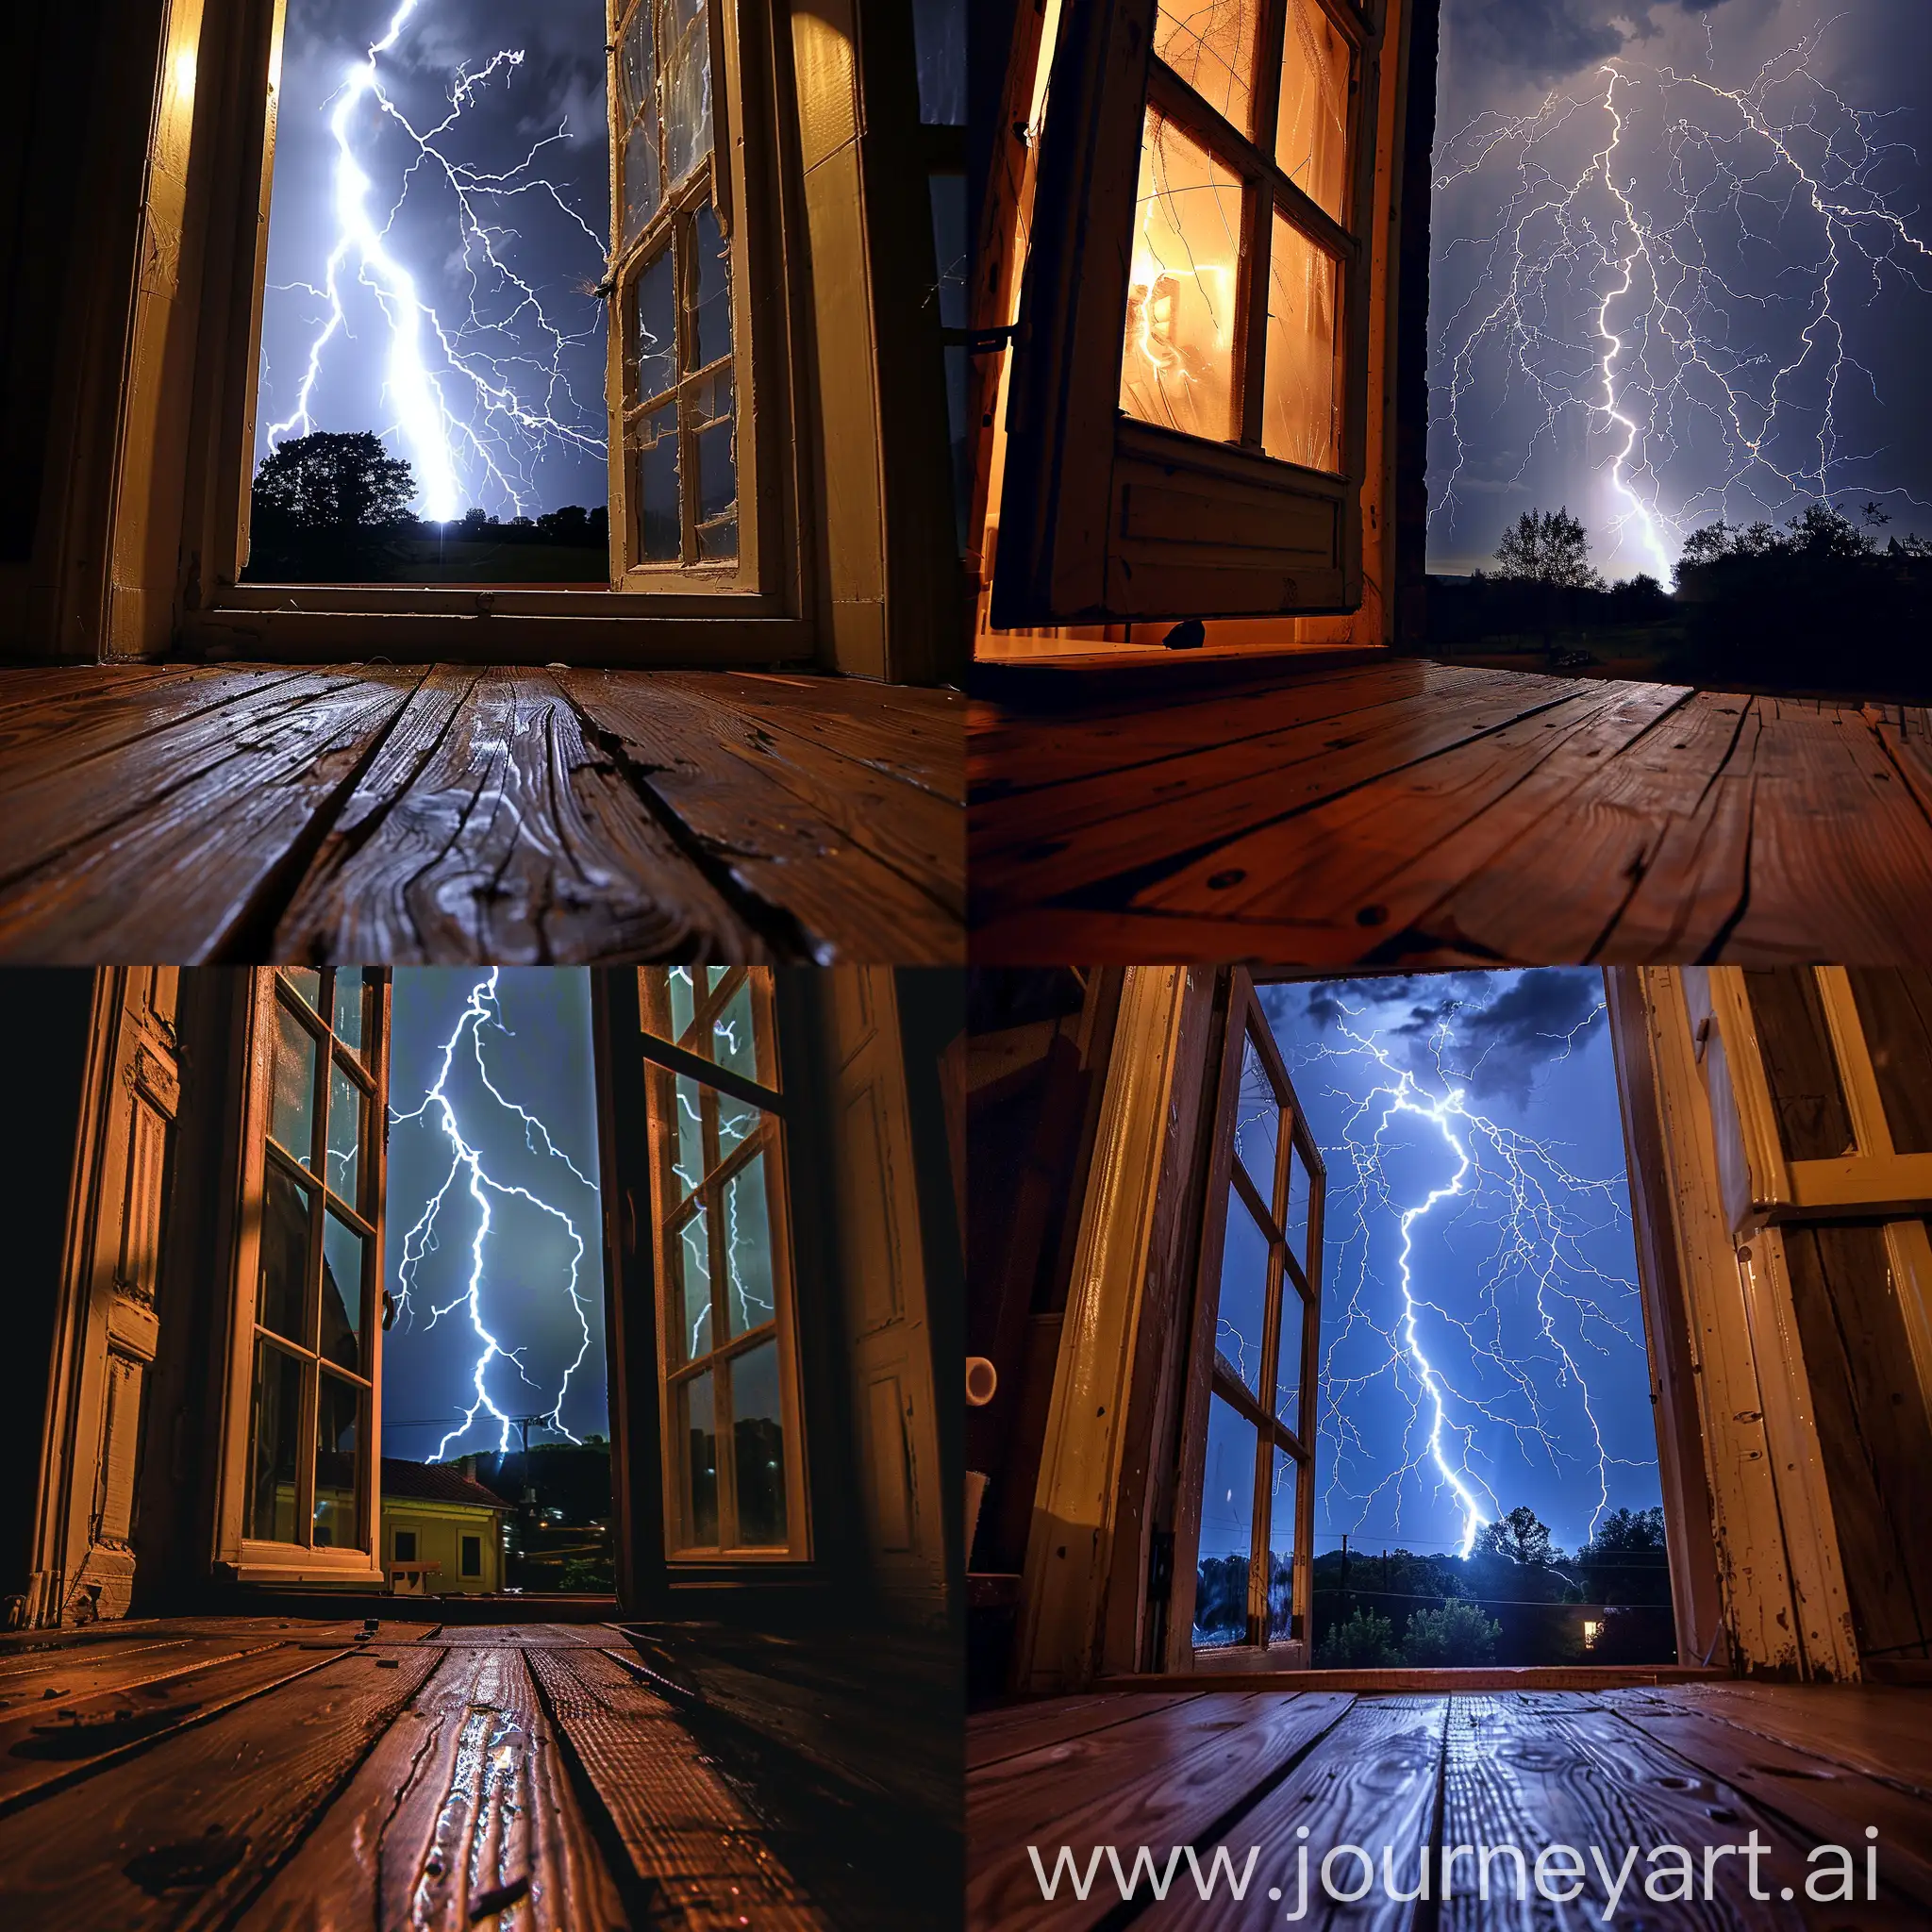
476	401
1689	297
1469	1377
467	1166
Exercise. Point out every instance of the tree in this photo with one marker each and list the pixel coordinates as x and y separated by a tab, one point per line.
1365	1643
1458	1633
334	486
1520	1536
1547	547
1624	1562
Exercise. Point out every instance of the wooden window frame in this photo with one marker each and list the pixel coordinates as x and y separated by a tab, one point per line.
1106	518
251	1559
1208	1377
670	1208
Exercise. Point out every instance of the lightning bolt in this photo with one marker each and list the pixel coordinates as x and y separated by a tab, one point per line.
1632	296
1542	1306
467	1166
506	357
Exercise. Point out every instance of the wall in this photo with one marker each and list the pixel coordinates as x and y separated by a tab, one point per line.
440	1528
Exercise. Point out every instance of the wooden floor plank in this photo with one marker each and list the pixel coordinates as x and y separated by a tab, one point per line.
1160	1781
461	1815
1022	1728
783	853
24	691
697	1852
1884	1732
512	843
182	1835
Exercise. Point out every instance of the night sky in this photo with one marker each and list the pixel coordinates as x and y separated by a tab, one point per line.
1740	256
540	1059
1531	1057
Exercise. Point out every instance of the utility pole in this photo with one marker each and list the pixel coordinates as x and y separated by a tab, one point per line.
526	1501
1344	1579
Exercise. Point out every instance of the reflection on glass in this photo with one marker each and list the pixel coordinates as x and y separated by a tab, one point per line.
657	325
697	1429
733	1039
684	84
1281	1533
690	1260
1311	123
737	1123
688	1165
345	1135
638	82
715	440
284	1253
292	1110
660	520
683	1000
350	991
1178	367
949	251
1241	1317
342	1254
939	34
337	1416
748	1248
1896	1010
1227	1529
1814	1122
1258	1126
275	1425
1288	1360
1210	44
1300	1187
1301	404
758	1437
307	980
710	289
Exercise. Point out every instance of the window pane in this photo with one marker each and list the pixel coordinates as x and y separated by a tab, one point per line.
1258	1126
684	84
949	251
691	1264
1813	1120
1895	1008
688	1163
1287	1362
1311	123
656	349
307	980
338	1446
1210	44
291	1116
697	1430
758	1434
752	1301
284	1254
1179	365
351	996
734	1035
1301	406
737	1121
1242	1318
1300	1194
1227	1529
275	1429
345	1132
405	1546
939	28
715	437
710	289
638	81
341	1294
660	520
1281	1516
471	1558
683	1001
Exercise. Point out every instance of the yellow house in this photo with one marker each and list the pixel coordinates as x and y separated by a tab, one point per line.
441	1530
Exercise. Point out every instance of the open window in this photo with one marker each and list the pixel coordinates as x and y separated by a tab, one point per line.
1186	430
1248	1450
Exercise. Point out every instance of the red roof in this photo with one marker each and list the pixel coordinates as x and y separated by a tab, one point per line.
431	1482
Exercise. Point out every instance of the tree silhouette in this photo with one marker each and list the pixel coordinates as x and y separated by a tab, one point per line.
1522	1536
333	484
1547	546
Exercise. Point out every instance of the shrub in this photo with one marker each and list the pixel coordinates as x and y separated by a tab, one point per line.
1365	1643
1458	1633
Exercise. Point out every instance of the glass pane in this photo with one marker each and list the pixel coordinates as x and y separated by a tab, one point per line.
1300	1187
684	84
710	289
949	252
338	1440
284	1254
660	519
752	1300
291	1112
716	432
636	78
1813	1120
638	68
737	1121
758	1446
939	28
1210	44
1301	404
345	1136
275	1429
307	980
715	976
1227	1529
1258	1126
342	1255
655	350
1241	1317
1287	1362
684	999
690	1263
689	1162
697	1429
1895	1009
1311	123
351	998
1179	365
1281	1515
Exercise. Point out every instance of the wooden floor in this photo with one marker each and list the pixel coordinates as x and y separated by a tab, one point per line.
1404	813
509	815
272	1774
1692	1764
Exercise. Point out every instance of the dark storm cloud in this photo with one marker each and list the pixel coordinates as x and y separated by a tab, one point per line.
1546	41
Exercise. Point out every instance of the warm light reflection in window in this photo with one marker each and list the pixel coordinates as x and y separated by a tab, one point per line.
1210	44
1301	407
1312	126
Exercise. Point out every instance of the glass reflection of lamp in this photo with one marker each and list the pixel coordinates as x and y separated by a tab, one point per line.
982	1383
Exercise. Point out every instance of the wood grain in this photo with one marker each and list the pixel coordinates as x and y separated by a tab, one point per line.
1885	1732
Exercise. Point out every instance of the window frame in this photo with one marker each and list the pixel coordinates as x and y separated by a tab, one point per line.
1210	1377
1076	545
670	1208
247	1558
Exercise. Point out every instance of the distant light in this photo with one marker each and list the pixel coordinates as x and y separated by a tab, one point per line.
1591	1631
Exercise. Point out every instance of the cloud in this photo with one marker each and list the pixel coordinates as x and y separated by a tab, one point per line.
1546	41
